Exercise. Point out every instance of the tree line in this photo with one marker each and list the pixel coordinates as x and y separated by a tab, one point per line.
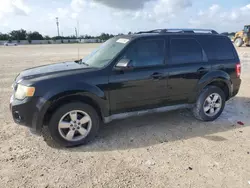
24	35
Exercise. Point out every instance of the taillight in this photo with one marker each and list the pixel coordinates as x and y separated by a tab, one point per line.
238	70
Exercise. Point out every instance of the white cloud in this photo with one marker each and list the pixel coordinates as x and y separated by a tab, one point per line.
218	18
73	10
214	8
119	16
74	15
77	5
60	13
124	4
166	9
13	7
246	8
158	11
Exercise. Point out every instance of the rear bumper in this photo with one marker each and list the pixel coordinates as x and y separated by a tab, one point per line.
235	87
27	113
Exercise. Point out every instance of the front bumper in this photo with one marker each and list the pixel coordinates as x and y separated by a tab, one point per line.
27	113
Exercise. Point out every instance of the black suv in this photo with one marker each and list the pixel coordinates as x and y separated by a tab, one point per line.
151	71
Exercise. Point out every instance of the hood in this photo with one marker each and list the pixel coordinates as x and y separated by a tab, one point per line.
49	69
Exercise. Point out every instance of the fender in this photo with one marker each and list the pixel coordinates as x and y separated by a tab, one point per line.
213	76
63	91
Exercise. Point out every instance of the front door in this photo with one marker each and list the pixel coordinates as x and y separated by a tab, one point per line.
145	85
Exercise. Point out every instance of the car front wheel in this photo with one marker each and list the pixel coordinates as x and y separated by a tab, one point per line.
74	124
209	104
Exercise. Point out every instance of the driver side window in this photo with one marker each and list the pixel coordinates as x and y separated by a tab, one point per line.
246	29
145	53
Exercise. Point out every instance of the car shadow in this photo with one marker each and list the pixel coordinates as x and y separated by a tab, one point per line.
154	129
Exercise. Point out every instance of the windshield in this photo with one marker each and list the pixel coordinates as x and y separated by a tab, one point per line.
105	53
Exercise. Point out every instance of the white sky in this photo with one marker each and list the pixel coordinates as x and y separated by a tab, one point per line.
121	16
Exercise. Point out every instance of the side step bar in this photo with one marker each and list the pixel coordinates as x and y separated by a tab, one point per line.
143	112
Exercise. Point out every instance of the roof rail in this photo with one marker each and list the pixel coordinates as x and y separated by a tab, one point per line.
180	31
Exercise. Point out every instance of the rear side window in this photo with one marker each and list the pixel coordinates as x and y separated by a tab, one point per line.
145	53
218	48
185	51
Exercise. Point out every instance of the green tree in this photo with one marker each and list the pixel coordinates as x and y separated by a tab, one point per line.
18	34
46	37
105	36
4	36
88	37
34	36
56	38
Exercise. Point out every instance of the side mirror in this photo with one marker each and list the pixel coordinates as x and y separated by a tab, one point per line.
124	64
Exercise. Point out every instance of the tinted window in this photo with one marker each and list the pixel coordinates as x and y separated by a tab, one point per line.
218	48
185	51
146	53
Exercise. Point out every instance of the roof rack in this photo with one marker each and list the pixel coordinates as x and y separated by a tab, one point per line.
180	31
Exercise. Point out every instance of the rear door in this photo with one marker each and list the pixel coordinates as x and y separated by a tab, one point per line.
221	54
188	63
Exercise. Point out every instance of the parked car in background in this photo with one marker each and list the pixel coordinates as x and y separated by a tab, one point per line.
150	71
10	44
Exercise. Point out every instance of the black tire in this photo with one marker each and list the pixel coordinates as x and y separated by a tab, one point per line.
53	124
198	110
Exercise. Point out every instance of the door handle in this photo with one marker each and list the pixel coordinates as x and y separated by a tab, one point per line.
202	70
157	75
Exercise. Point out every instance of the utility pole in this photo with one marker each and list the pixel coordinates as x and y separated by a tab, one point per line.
76	32
57	23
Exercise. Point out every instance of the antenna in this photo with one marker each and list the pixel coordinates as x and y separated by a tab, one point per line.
57	24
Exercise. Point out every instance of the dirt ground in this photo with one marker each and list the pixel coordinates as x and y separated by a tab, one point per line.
163	150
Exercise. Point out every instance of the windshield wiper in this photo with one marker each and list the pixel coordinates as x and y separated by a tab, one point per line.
81	62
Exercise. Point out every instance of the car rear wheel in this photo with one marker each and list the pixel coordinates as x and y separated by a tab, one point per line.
210	104
74	124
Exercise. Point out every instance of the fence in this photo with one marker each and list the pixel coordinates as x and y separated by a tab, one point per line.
60	41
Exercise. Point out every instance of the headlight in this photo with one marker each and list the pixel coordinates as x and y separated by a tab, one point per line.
24	91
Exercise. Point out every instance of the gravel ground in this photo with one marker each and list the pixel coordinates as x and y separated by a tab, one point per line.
163	150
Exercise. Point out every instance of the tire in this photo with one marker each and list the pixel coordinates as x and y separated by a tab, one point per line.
60	133
199	109
239	42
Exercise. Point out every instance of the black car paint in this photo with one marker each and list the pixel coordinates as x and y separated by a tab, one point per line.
120	91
